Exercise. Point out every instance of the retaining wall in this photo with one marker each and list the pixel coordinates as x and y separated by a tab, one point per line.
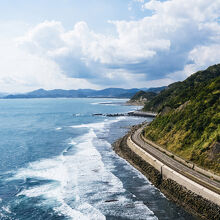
168	173
186	163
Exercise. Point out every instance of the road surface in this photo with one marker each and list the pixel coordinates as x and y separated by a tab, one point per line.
175	165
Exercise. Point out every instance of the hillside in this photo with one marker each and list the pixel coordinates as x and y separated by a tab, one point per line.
141	97
80	93
188	123
156	90
178	93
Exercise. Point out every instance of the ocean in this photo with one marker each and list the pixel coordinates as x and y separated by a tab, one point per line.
56	162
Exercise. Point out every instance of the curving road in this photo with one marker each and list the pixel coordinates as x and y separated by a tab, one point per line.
175	165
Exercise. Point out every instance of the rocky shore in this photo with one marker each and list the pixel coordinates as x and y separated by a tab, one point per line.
134	113
193	203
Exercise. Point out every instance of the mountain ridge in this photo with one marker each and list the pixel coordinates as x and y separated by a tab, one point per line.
80	93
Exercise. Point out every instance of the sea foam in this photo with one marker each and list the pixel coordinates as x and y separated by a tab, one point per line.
78	182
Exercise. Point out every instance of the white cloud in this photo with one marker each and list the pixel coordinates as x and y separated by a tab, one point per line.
178	38
198	10
175	28
21	72
201	57
50	38
193	29
45	36
82	53
141	1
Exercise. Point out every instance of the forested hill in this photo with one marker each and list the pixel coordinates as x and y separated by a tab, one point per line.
141	97
178	93
188	123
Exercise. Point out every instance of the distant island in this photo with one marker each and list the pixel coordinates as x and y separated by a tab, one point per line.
83	93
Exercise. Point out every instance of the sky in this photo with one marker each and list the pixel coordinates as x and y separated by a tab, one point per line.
72	44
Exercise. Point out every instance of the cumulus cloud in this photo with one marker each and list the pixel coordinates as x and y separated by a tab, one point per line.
82	53
47	38
177	38
154	46
201	57
21	71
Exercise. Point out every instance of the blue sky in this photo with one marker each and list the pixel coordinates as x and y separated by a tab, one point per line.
73	44
95	13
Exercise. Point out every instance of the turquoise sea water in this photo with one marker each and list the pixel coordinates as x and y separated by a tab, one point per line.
56	162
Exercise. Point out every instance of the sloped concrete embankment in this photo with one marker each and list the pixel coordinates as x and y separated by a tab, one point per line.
181	160
192	202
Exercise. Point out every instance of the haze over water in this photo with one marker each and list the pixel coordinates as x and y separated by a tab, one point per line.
56	162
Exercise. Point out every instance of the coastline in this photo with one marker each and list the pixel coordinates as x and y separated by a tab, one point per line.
134	103
191	202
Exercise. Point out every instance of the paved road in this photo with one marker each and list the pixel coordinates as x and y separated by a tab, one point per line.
175	165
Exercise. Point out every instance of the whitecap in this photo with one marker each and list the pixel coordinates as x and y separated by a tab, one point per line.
99	125
72	142
63	173
6	209
79	183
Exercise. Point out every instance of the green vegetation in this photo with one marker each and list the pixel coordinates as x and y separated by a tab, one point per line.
188	122
142	97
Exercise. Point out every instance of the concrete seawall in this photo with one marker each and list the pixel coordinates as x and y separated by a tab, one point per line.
168	173
186	163
190	201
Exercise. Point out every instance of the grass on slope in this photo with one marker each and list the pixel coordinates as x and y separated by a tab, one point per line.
178	93
191	127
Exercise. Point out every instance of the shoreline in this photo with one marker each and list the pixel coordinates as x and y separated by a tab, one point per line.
191	202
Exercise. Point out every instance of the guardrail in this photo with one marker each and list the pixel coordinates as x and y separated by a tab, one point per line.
195	179
185	179
181	160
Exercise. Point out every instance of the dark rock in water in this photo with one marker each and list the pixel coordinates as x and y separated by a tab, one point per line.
135	113
111	200
116	115
97	114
